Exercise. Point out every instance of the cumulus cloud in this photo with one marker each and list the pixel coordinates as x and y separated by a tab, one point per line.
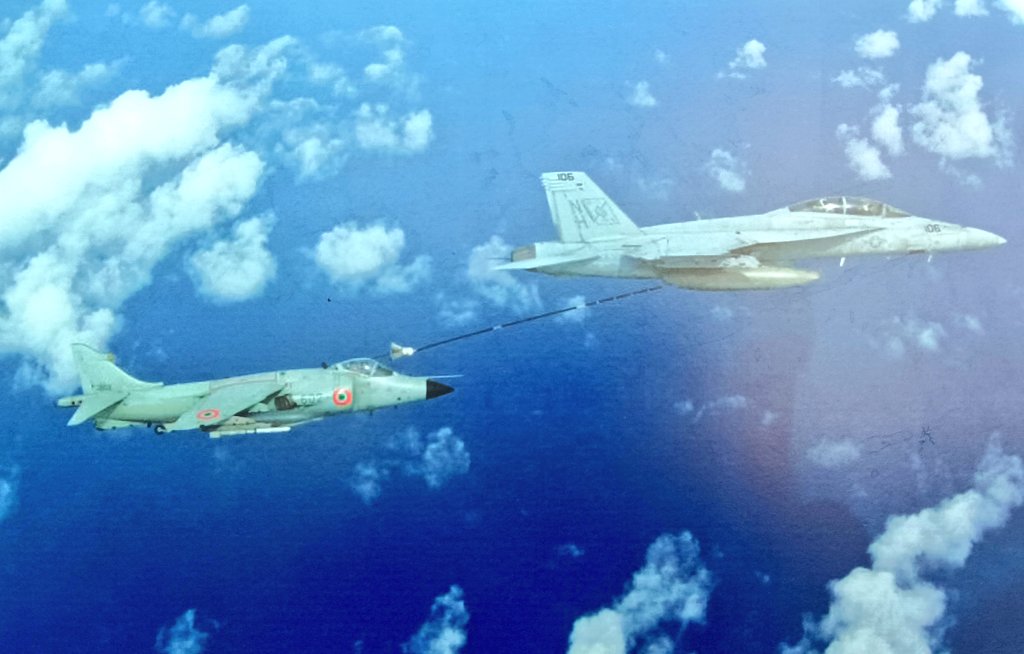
951	121
712	407
183	637
63	88
393	44
92	210
8	490
641	95
877	45
863	157
220	26
157	15
891	607
749	56
970	8
578	314
671	589
435	458
863	77
886	130
239	268
20	48
829	453
377	130
920	11
727	169
355	257
899	334
444	632
1015	9
488	287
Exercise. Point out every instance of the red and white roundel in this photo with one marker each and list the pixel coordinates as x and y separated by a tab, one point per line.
342	397
208	414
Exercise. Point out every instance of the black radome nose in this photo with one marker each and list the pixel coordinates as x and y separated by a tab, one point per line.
437	389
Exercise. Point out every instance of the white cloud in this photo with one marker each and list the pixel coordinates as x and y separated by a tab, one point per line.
877	45
367	479
712	407
157	15
376	130
61	88
220	26
183	637
496	288
1015	8
899	334
920	11
727	170
863	77
672	588
393	44
354	257
641	96
92	211
660	57
890	607
886	130
8	490
445	631
237	269
436	459
829	453
20	48
951	121
970	8
749	56
577	315
864	158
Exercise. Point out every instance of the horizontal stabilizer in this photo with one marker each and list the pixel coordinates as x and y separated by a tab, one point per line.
94	403
545	262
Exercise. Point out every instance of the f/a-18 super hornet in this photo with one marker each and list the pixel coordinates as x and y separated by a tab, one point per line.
250	404
744	252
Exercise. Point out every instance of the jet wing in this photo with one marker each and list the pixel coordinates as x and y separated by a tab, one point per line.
95	403
544	262
223	403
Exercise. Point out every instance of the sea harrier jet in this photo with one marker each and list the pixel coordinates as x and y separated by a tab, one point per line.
251	404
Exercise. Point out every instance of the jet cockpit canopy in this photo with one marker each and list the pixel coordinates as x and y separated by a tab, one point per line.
849	206
365	367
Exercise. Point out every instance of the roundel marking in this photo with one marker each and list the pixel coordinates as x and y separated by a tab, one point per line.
342	397
208	414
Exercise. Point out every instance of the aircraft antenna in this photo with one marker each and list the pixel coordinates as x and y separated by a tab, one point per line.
399	351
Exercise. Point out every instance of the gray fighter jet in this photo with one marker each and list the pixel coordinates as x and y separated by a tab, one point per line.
251	404
720	254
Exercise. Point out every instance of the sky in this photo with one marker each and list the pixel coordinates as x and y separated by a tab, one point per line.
208	189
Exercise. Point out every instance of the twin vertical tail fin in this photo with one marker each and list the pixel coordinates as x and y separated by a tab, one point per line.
98	372
581	211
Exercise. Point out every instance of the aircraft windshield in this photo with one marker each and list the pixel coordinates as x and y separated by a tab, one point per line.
849	206
365	367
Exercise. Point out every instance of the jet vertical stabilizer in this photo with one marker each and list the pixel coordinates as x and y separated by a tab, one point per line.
582	212
98	372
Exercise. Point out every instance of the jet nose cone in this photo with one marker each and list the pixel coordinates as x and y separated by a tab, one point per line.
979	238
437	389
